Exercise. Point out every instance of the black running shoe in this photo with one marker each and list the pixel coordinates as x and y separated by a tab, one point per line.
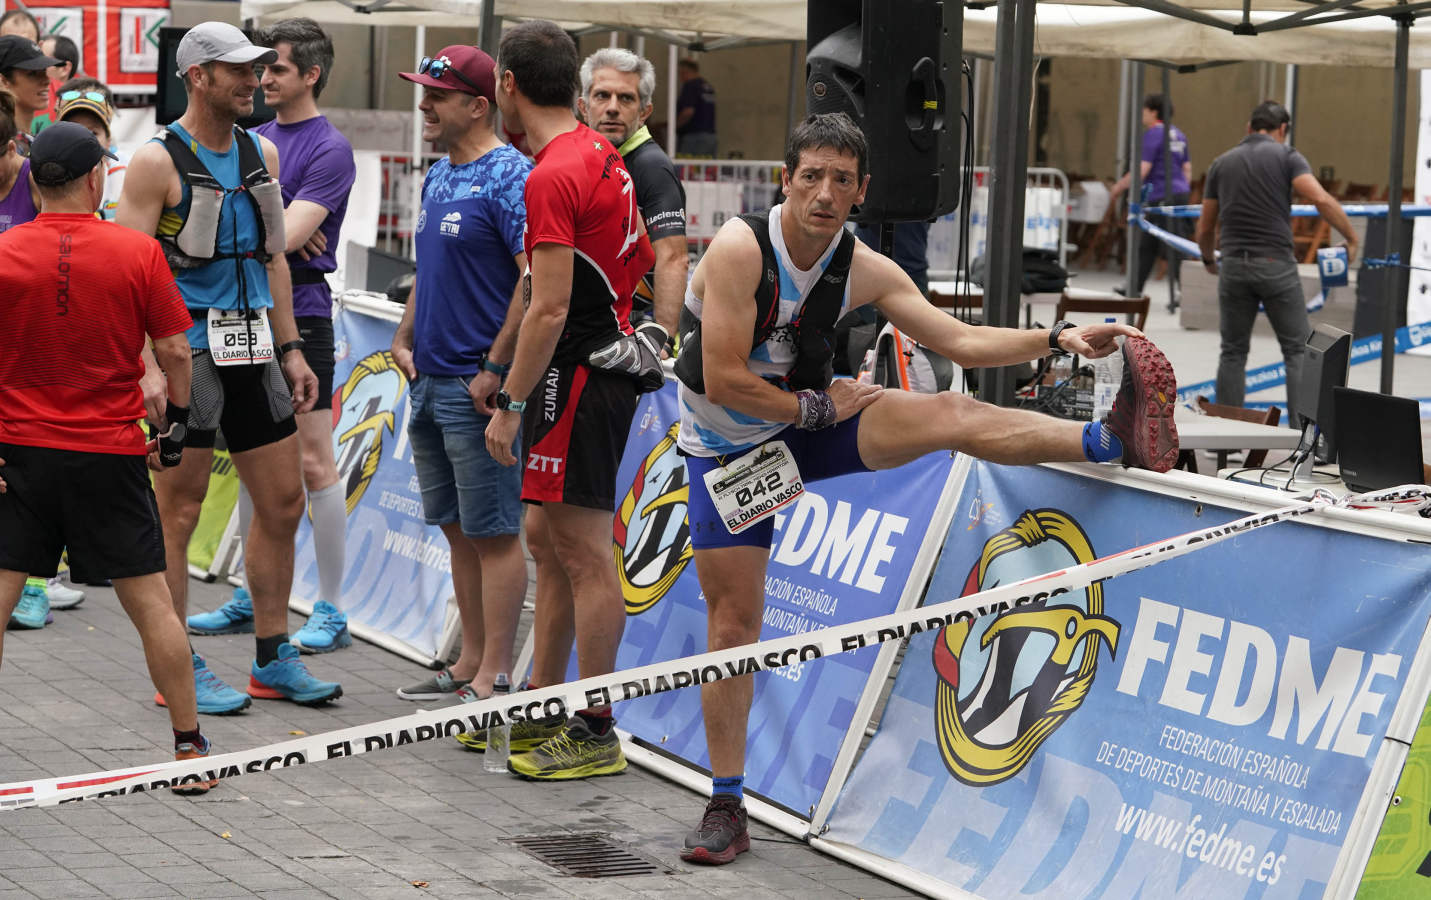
722	834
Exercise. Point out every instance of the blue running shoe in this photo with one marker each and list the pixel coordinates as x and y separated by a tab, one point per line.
325	631
215	698
234	617
286	678
33	610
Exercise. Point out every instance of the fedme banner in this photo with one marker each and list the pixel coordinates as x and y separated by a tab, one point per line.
399	570
842	553
1201	728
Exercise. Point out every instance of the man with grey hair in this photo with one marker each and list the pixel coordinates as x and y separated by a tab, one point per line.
616	90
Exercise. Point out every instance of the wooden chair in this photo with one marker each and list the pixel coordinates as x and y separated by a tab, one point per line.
1082	301
1187	459
1317	233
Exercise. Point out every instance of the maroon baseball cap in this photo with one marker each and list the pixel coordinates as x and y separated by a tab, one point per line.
457	68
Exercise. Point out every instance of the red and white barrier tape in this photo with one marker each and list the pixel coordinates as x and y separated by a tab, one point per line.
430	724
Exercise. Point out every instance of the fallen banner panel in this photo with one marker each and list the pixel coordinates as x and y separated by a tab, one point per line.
1206	728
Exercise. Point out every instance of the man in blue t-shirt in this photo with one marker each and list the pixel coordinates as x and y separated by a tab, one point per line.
1157	170
695	112
316	177
455	343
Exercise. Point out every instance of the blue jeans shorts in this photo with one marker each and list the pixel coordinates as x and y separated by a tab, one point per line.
460	480
819	454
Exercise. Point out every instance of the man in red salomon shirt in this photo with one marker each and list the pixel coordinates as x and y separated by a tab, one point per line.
577	372
69	437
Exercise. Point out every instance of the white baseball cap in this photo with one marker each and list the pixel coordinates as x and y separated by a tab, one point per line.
219	42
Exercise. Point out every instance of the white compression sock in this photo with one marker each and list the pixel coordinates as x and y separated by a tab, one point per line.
245	508
330	524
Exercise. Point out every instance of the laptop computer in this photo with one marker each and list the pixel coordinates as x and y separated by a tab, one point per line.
1378	439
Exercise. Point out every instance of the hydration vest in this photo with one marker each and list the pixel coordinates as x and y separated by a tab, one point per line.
813	324
196	243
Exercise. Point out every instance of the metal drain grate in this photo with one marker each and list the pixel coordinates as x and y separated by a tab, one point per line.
589	855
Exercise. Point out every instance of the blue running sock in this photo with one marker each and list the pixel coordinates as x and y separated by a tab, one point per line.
1100	444
734	786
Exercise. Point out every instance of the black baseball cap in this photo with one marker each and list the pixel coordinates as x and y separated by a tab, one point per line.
19	52
63	152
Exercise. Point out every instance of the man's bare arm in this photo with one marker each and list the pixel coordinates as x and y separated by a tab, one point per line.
541	325
300	220
172	354
1308	186
878	280
1207	234
727	277
146	185
672	264
402	337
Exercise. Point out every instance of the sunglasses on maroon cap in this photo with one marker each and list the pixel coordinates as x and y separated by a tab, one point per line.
437	66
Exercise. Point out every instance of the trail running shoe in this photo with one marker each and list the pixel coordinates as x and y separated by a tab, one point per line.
325	631
722	834
441	686
62	596
527	734
33	610
287	678
1142	413
576	752
234	617
215	698
194	751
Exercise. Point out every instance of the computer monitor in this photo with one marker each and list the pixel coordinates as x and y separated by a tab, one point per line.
1324	368
171	100
384	269
1379	439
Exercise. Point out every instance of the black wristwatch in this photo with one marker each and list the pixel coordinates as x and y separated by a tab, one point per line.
506	403
1053	333
291	345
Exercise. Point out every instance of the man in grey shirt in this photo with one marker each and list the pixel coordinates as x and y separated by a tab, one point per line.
1249	197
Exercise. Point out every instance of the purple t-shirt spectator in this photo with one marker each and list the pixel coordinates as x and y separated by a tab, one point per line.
315	163
18	207
699	95
1153	153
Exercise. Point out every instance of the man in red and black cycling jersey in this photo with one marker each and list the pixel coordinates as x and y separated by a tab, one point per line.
577	372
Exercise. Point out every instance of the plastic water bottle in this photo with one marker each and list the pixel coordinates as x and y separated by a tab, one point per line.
1107	378
499	737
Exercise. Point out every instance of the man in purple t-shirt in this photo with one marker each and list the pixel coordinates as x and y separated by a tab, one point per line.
1155	169
316	172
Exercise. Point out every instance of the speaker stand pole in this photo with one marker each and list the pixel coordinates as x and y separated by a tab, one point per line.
1013	87
1395	283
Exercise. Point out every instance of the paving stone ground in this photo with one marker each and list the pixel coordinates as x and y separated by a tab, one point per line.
75	697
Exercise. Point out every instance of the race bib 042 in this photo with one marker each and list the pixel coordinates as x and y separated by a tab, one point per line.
755	485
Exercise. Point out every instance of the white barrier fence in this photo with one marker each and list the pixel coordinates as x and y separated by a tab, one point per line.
719	189
1045	221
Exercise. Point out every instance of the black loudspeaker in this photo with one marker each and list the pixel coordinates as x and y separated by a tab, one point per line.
894	67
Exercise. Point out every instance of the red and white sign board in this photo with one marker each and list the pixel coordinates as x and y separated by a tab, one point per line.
118	39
